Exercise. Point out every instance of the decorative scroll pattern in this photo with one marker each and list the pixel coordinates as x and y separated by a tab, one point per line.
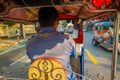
46	69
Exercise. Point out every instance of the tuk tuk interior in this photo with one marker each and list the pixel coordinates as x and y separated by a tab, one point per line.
27	11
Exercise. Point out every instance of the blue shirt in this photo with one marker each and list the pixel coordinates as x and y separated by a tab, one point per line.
52	44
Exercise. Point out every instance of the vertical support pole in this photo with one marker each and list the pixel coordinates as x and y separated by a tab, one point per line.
115	49
7	29
23	30
81	58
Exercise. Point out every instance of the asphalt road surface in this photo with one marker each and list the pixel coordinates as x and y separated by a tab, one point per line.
97	62
99	67
14	64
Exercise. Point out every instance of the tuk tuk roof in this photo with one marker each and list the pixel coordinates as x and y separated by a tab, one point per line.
26	10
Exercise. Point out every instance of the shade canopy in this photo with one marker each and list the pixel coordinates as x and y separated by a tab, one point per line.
26	10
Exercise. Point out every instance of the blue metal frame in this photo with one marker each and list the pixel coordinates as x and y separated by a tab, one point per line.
81	58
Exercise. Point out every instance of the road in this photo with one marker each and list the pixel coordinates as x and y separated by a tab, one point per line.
13	63
102	63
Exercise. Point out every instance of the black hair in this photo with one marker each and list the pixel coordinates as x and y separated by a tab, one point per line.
47	16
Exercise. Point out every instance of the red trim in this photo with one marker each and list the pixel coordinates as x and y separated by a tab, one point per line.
67	16
1	20
80	37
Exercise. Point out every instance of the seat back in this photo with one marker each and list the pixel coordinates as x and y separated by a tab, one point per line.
46	68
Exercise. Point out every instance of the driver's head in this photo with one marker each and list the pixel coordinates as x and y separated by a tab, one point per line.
48	16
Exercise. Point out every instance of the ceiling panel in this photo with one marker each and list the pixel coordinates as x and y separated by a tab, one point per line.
26	10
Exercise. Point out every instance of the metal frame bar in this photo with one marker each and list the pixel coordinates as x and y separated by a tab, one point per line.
115	49
115	46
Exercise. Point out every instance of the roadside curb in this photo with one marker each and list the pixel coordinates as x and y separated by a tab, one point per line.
12	49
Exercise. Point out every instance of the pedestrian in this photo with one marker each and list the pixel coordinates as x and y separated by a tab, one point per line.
51	43
111	32
18	34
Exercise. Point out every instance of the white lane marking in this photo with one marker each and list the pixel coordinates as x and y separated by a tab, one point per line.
28	61
17	60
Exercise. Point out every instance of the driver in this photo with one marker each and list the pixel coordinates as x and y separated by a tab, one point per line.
48	42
